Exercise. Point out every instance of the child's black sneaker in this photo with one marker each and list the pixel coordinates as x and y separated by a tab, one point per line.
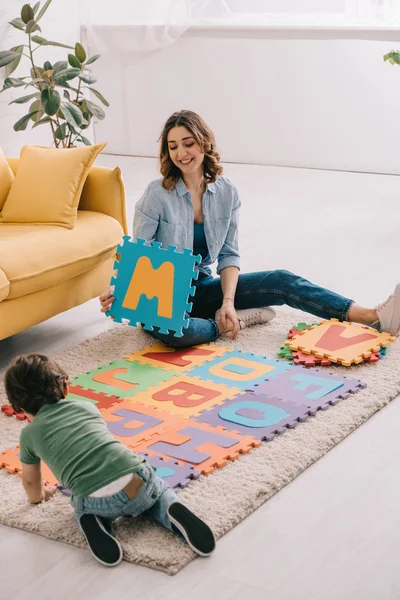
105	548
197	533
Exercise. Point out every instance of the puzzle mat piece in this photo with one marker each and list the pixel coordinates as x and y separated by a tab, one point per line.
285	352
121	378
240	369
177	360
185	395
252	414
309	360
297	328
343	342
199	445
76	392
313	388
8	410
153	284
132	422
174	474
9	459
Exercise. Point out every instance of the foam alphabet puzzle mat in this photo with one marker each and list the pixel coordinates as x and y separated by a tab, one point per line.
152	285
192	411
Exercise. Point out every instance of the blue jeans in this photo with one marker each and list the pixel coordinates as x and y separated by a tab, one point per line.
153	499
254	290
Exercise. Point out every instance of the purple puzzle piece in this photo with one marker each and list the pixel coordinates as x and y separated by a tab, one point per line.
277	415
123	428
174	474
309	387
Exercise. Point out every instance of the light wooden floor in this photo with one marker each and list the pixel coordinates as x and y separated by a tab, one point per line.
333	533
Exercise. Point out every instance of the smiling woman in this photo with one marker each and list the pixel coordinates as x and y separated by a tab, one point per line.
195	206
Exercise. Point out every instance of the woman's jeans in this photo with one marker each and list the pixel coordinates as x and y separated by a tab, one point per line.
254	290
153	499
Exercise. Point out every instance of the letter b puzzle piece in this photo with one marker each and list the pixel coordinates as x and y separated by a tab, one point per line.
153	285
254	414
199	445
185	395
308	387
240	369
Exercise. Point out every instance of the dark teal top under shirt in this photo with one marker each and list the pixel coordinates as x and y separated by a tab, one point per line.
199	241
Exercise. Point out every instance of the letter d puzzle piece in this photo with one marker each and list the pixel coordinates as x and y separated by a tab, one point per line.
153	285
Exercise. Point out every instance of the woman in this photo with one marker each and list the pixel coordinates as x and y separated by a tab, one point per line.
195	206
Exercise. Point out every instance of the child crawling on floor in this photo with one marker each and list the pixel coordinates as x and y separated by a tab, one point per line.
107	479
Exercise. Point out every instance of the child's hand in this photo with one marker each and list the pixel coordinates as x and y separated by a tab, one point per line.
48	492
106	300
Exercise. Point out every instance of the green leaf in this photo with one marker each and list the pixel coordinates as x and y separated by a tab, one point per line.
92	59
32	26
393	57
60	132
43	42
43	10
67	95
95	110
72	114
50	100
99	96
80	52
18	24
7	56
24	99
66	75
36	8
87	78
10	68
27	13
22	123
47	66
13	82
44	120
60	66
36	106
74	62
85	140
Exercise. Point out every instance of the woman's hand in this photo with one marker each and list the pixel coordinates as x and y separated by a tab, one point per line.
227	319
106	300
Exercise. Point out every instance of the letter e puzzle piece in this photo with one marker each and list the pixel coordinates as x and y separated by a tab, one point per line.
153	284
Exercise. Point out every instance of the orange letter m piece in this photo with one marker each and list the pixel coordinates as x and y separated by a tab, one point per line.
152	283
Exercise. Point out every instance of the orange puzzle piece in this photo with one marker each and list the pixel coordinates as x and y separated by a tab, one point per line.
341	342
178	360
9	459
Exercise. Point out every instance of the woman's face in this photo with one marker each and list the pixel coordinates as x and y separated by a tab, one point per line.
184	152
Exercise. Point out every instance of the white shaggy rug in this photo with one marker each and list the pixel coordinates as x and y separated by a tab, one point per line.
230	494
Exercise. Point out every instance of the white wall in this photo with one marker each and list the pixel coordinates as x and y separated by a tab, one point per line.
61	23
319	99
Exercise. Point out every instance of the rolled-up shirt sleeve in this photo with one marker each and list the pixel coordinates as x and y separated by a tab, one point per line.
146	219
229	254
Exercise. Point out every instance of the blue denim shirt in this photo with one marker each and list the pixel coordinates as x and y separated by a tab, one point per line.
168	217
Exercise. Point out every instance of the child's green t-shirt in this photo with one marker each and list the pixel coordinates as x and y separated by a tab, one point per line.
72	439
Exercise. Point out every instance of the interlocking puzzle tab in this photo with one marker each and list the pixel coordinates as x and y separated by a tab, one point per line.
153	284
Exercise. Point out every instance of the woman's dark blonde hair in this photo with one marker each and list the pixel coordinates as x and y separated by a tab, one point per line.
203	136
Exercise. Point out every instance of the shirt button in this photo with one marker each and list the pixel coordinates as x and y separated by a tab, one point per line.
154	495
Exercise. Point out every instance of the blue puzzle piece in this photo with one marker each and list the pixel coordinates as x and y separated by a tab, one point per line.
162	298
240	369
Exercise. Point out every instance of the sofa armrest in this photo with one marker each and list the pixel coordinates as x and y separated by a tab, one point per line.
104	192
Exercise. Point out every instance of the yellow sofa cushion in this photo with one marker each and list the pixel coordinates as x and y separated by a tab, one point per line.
6	178
4	286
37	257
48	184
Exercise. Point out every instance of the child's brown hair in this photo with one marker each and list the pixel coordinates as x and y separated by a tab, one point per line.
33	380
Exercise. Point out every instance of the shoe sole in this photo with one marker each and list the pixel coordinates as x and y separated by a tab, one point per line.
197	533
104	547
396	312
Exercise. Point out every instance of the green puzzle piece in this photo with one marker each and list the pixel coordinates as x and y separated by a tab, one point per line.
140	376
285	351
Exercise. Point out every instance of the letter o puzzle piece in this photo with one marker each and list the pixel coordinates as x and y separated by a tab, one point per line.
153	284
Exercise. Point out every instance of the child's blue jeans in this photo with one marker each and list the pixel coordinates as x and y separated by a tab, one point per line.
254	290
153	499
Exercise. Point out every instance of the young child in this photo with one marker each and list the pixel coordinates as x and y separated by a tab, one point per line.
107	479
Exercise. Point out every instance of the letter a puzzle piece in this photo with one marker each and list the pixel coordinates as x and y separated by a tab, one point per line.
185	395
343	343
131	422
254	414
240	369
153	284
199	445
121	378
173	473
178	360
311	388
9	459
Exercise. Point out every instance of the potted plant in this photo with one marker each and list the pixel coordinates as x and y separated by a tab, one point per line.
58	93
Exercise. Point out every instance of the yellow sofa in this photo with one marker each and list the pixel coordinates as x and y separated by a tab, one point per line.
46	269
